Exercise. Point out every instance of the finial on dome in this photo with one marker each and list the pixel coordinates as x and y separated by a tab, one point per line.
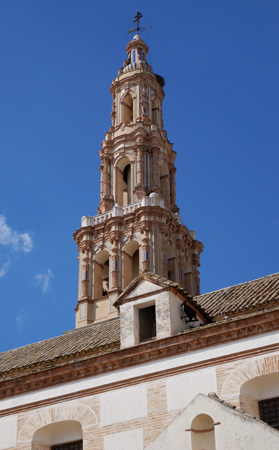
138	16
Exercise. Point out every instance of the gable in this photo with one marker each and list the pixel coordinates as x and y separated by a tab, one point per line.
143	288
188	430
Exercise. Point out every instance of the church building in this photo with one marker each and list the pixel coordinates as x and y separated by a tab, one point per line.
152	363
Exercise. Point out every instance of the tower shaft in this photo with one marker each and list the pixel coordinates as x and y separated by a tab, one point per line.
138	226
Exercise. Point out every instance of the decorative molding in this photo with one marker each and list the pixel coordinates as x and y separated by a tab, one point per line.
246	372
66	411
143	379
84	365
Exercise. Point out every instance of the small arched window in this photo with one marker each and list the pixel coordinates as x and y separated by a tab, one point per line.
128	116
63	435
123	182
101	274
202	433
130	262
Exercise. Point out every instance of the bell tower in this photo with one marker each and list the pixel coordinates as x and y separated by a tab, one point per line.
138	226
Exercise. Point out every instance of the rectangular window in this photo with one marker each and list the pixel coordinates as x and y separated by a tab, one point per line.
147	323
133	55
77	445
269	411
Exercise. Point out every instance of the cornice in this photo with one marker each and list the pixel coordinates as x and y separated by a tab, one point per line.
143	378
137	76
156	137
147	215
84	365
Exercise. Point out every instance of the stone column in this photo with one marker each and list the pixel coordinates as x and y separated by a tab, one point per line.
102	181
85	275
172	186
115	265
196	264
155	170
145	248
139	166
139	188
181	268
164	255
105	176
106	199
113	112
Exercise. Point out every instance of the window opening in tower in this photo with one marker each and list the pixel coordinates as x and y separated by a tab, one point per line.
128	109
127	185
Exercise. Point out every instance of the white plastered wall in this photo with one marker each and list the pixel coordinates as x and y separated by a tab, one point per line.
125	440
123	405
235	431
181	389
8	432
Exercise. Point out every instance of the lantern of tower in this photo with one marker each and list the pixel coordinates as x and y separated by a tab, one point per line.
138	226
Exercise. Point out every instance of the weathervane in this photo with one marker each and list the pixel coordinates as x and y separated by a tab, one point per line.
138	16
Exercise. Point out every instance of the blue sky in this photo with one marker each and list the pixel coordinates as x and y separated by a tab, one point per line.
58	58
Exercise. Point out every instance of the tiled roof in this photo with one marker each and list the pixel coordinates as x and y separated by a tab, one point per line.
252	295
99	338
104	337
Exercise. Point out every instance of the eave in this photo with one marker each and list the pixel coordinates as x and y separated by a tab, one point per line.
80	366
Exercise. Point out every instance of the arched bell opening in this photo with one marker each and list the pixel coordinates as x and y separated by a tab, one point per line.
123	188
101	271
130	262
127	185
171	263
165	183
202	433
128	115
59	435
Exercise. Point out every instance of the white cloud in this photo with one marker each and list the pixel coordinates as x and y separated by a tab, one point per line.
4	269
44	280
27	243
20	319
18	241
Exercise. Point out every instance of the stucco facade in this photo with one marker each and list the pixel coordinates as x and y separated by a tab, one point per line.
134	406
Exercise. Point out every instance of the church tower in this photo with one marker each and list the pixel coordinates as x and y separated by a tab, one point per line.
138	226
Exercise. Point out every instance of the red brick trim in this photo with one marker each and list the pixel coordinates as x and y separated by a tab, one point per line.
85	365
144	378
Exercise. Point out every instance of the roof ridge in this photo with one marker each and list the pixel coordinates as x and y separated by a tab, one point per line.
235	285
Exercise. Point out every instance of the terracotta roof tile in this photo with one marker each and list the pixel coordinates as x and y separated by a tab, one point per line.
94	339
104	337
254	295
